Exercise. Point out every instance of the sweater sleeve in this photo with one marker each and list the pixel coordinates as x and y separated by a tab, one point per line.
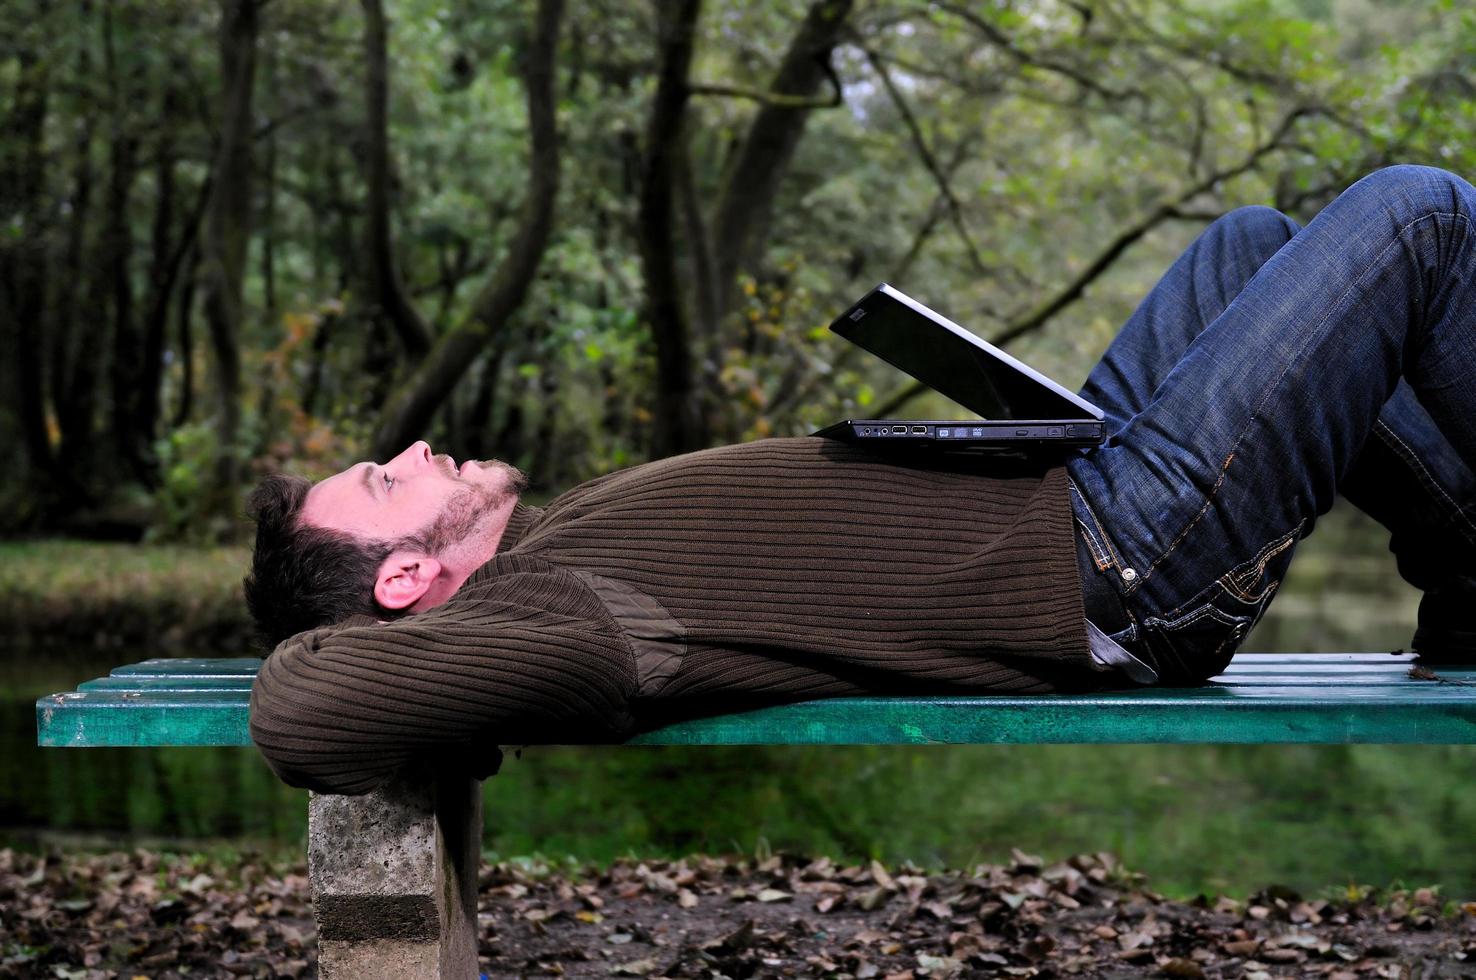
526	657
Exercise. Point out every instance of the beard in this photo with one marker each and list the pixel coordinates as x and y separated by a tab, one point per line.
465	511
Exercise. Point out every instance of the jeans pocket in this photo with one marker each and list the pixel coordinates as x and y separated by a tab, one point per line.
1091	532
1196	640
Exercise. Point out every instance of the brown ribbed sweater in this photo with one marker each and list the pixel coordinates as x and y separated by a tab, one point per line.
762	573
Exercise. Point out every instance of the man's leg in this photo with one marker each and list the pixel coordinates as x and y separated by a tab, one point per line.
1407	475
1413	481
1236	415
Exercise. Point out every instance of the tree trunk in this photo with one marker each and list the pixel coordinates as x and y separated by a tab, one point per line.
411	409
156	303
125	369
475	441
168	259
268	182
228	230
679	426
268	414
23	267
72	359
184	320
747	200
123	452
314	384
389	290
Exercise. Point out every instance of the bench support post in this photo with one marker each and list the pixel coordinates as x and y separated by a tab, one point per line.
394	879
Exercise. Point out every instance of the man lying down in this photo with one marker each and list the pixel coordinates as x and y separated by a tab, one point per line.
421	613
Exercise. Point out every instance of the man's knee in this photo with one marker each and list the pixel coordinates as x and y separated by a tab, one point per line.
1241	241
1258	225
1411	191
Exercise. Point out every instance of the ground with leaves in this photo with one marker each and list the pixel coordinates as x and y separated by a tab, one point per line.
143	914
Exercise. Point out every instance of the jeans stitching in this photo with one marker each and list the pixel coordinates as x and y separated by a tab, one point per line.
1129	635
1113	558
1231	579
1406	453
1203	599
1097	551
1167	632
1427	479
1398	240
1204	609
1086	533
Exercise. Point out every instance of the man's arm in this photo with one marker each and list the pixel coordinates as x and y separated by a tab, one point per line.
336	710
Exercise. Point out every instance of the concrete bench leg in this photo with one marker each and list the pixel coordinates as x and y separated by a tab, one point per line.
394	879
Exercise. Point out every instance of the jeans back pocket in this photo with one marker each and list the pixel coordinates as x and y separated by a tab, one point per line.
1196	640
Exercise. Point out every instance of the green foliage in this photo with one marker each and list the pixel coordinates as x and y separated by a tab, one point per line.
182	504
1012	146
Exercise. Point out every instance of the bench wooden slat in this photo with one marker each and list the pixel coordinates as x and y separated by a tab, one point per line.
1450	676
1243	682
188	682
192	667
128	718
1248	659
1267	677
1330	670
1338	698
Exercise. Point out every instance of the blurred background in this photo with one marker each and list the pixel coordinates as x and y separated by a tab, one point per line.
251	235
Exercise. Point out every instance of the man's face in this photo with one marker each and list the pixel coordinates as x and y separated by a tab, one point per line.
416	493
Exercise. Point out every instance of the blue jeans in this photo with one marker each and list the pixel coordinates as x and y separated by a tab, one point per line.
1272	368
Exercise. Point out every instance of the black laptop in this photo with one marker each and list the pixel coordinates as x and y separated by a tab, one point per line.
1020	407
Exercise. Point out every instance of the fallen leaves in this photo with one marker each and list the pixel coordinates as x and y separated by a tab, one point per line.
788	916
141	914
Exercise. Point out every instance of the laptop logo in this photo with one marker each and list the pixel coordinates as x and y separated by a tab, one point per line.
857	314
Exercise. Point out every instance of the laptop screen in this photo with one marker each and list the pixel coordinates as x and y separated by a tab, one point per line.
954	362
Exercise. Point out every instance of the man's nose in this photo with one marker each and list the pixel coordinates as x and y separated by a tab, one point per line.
419	452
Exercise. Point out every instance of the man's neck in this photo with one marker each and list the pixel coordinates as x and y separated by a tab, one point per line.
466	556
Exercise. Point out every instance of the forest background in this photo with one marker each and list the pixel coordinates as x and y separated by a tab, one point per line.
575	235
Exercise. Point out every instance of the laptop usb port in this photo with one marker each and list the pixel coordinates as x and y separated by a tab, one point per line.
919	430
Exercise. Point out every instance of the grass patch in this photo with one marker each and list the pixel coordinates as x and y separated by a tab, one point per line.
1199	818
56	592
1226	819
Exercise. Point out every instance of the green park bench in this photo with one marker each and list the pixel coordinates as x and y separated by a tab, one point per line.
394	872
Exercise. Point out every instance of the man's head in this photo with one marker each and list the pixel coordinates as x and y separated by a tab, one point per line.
384	540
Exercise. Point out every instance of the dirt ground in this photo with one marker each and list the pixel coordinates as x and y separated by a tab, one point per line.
143	914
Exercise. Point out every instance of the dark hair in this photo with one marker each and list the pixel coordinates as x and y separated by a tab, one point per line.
304	576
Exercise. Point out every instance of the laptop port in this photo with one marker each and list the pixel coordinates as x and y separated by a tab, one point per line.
919	430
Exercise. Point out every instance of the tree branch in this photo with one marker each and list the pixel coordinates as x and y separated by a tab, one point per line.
751	183
779	100
411	409
1038	60
920	143
1073	290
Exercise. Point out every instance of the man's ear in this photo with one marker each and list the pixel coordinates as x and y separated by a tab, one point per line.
403	578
